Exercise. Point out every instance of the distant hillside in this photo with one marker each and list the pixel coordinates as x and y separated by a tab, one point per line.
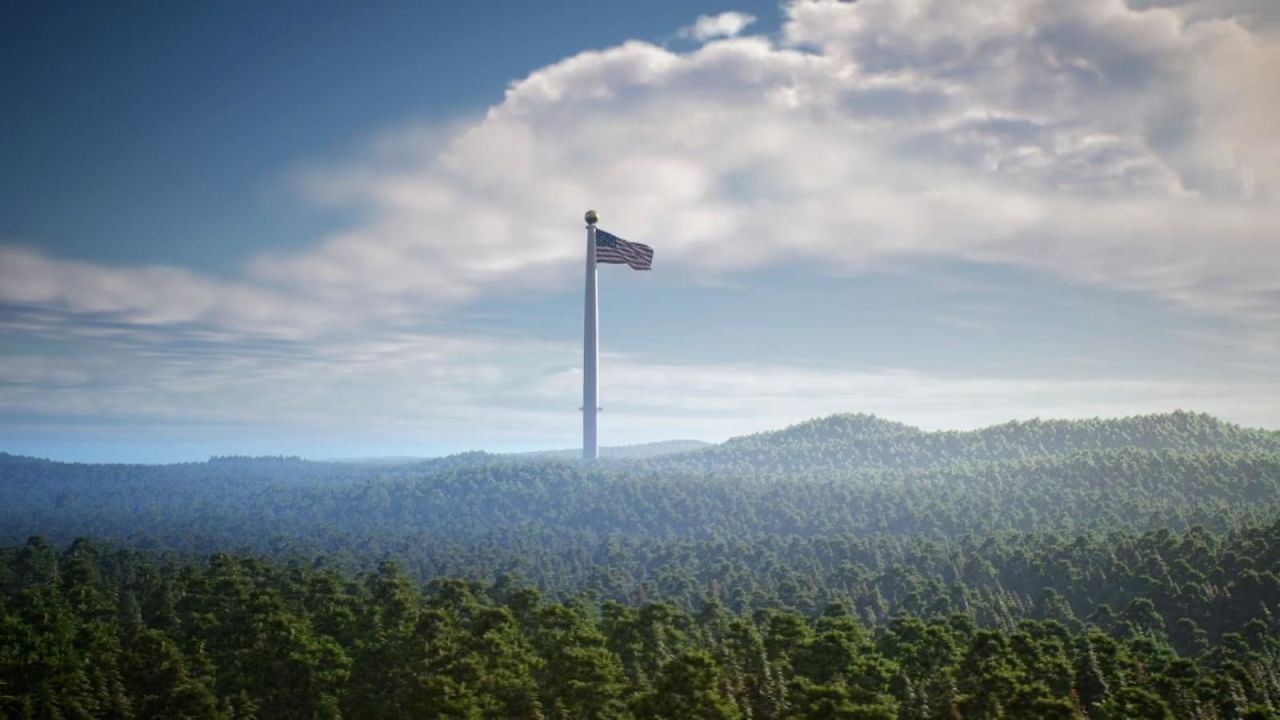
837	443
380	460
768	517
627	452
623	452
554	518
842	473
846	443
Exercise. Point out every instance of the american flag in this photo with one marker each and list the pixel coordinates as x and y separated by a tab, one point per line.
613	249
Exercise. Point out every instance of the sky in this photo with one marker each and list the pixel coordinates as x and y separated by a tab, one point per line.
338	230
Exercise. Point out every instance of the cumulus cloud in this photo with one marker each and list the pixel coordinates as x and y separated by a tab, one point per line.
1098	142
1127	145
723	25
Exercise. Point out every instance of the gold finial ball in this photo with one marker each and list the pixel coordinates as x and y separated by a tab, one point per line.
591	217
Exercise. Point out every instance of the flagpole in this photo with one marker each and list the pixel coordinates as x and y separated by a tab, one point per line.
590	348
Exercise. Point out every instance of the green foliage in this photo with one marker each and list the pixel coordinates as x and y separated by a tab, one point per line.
252	637
842	568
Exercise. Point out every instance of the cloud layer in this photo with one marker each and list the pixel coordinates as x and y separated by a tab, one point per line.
1131	147
447	394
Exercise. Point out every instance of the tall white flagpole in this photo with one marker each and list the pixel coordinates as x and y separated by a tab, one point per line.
590	348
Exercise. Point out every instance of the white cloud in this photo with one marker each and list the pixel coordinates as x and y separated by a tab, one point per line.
1106	144
1101	144
723	25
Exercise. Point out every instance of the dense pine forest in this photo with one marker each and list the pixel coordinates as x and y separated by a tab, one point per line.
847	567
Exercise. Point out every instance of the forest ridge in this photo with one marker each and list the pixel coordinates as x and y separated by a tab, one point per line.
611	527
845	567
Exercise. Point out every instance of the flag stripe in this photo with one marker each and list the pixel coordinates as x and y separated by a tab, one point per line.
613	249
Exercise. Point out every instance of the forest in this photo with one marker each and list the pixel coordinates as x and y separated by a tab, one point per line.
847	567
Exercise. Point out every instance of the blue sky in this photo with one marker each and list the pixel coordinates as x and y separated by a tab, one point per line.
329	230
